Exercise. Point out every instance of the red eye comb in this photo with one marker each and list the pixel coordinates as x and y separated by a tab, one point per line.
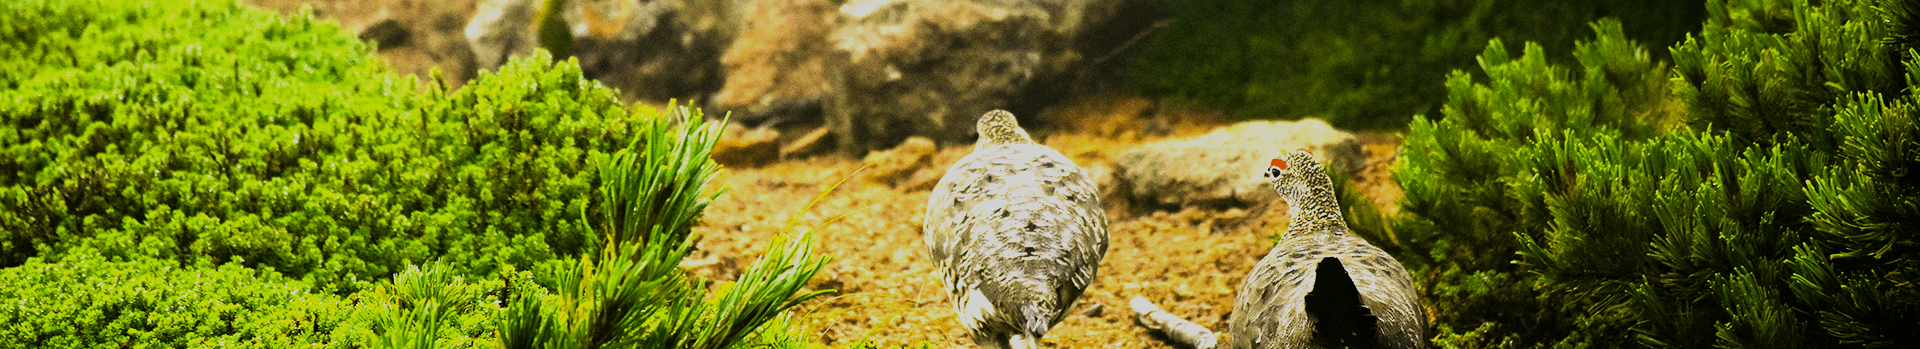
1282	164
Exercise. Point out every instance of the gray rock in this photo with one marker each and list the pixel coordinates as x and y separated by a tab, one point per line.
924	67
874	72
776	67
649	49
895	164
808	143
384	31
652	49
501	29
1222	168
742	147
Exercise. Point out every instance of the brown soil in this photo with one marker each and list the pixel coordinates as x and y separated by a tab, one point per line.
1188	261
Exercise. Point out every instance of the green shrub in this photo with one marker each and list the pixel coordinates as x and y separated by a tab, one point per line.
1754	195
632	295
84	300
1366	63
429	308
273	147
234	135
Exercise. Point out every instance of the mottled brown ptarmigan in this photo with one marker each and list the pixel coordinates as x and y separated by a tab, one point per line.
1018	232
1321	286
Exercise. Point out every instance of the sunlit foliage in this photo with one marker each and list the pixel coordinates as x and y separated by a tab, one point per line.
1755	193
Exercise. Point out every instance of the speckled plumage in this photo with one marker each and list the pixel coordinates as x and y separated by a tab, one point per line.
1018	232
1278	305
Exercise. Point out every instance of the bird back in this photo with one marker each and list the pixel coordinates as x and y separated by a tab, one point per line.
1018	232
1294	298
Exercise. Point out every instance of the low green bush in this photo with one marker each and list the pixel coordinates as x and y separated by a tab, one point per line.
133	161
430	308
84	300
1755	194
237	136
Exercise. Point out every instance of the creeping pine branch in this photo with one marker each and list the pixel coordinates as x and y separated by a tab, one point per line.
1180	330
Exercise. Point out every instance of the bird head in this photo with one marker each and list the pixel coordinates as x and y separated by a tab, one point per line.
999	127
1293	174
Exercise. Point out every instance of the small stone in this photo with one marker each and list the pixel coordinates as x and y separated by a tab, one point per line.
1094	311
893	164
1183	292
740	147
812	142
924	179
1233	213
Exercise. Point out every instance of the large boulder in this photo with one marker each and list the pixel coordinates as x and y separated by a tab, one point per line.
874	72
925	67
776	68
1222	168
653	50
649	49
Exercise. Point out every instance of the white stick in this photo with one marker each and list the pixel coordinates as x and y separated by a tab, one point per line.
1180	330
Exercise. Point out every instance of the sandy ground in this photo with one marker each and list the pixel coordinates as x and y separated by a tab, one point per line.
1187	260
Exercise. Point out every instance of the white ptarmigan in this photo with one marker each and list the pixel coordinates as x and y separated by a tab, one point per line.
1018	232
1321	286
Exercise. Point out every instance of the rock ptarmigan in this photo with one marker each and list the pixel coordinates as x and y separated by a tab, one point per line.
1018	232
1321	286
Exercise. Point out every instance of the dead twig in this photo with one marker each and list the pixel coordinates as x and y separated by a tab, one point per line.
1176	328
